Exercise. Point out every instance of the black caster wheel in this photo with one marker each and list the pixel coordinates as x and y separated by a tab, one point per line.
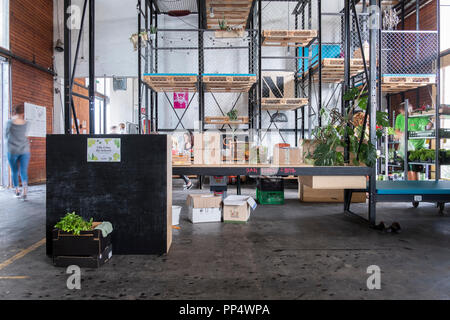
415	204
441	206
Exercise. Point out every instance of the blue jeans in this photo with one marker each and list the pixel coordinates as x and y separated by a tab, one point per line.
14	161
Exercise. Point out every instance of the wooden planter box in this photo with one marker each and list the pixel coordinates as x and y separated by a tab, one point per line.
90	249
334	182
229	34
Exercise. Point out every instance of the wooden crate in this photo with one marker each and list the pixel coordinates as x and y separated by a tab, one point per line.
169	83
226	120
283	103
228	83
235	12
333	69
288	38
397	84
229	34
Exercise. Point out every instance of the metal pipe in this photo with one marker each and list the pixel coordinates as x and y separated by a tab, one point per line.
67	69
92	66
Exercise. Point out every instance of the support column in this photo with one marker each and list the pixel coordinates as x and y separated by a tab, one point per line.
372	108
67	69
92	66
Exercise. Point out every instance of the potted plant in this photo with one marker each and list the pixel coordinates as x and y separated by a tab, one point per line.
153	33
232	115
81	242
223	24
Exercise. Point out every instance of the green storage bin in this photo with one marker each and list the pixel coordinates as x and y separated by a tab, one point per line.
269	197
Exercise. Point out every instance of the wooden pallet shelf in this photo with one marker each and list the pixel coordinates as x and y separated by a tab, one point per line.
333	69
228	82
396	84
288	38
171	82
283	104
235	12
226	120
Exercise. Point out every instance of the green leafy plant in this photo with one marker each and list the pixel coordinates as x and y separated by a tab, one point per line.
223	24
341	131
153	30
74	224
232	115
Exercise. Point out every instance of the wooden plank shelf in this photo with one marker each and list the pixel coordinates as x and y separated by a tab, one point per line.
400	83
288	38
162	82
235	12
228	82
283	104
226	120
333	69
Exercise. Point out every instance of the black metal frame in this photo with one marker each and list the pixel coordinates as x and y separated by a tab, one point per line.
414	5
150	14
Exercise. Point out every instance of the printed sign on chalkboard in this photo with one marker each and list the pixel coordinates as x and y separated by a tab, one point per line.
103	149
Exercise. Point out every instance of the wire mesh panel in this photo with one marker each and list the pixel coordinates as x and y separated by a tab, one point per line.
409	52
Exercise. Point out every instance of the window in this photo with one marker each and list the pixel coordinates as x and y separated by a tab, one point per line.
4	24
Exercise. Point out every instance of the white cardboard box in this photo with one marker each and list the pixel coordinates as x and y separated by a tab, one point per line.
199	215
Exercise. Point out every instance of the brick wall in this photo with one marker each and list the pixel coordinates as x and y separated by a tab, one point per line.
31	37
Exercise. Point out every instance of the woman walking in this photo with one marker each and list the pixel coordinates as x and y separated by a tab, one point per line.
18	149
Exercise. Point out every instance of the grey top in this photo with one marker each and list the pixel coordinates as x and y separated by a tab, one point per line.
16	135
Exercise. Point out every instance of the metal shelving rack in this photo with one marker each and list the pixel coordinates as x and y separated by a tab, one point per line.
148	12
431	38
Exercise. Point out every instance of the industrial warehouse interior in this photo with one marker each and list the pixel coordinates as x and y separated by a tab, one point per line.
247	150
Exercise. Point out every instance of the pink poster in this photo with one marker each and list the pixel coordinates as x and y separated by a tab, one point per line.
180	100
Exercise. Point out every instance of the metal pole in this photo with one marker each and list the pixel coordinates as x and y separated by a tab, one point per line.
201	65
259	65
67	69
372	107
346	84
438	90
139	68
319	19
405	140
92	66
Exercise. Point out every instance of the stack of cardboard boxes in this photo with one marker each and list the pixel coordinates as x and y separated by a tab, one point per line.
207	148
208	208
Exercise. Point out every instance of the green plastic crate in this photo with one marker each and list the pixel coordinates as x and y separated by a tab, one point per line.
269	197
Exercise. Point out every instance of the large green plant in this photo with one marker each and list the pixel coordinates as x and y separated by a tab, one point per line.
74	224
341	131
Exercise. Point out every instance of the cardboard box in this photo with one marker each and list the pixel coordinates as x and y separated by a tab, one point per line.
307	194
204	208
236	209
198	148
334	182
286	156
207	200
202	215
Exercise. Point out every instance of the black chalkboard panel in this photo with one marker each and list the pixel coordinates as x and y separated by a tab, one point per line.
132	194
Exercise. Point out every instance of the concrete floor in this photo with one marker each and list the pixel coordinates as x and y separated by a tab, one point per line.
295	251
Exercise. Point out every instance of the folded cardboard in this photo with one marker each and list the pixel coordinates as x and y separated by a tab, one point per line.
237	208
204	201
